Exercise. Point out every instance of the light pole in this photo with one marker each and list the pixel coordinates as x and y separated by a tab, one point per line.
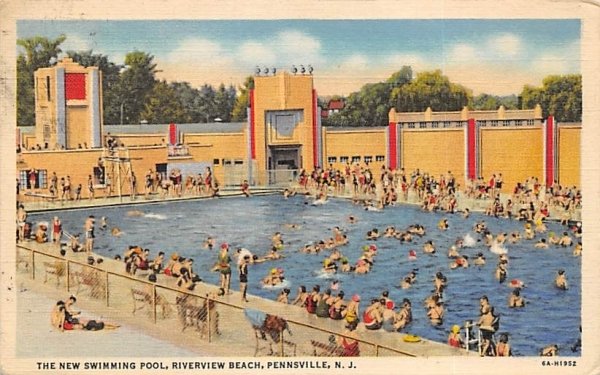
122	104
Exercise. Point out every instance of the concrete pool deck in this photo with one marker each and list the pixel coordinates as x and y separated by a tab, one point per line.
237	338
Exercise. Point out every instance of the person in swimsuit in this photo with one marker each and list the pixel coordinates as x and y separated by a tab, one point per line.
21	219
283	296
372	317
351	312
454	339
436	314
389	316
312	300
549	351
503	348
322	309
515	299
89	233
300	299
561	280
224	267
243	270
56	230
337	306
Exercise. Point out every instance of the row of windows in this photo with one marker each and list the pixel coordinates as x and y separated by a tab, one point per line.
228	161
506	122
33	179
354	159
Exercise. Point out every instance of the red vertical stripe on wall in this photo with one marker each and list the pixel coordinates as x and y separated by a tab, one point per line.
314	128
252	127
550	150
392	146
172	133
471	157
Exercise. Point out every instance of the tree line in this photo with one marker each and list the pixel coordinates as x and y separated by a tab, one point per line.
132	93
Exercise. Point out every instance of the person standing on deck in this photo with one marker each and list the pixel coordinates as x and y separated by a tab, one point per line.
243	269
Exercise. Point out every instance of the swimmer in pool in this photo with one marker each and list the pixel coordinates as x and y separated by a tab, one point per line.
373	234
541	244
429	247
329	266
453	252
577	249
300	299
529	233
501	272
565	240
116	232
209	243
515	299
553	239
466	213
277	240
275	277
480	260
404	316
103	223
362	267
283	296
439	283
514	237
352	219
549	351
561	280
443	224
436	314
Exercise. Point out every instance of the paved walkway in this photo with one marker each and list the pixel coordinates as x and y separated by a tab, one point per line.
236	338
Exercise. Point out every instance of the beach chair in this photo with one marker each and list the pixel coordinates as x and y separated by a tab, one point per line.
90	280
268	338
197	316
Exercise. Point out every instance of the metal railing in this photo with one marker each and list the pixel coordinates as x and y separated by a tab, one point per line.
103	285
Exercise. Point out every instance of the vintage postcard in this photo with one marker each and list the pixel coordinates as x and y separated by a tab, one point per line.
314	187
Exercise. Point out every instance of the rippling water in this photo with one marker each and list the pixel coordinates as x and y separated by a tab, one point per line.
551	316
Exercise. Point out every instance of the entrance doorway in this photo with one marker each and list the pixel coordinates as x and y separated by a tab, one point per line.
283	163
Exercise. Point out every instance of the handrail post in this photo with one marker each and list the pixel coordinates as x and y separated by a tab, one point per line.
281	354
32	264
376	350
154	302
208	323
68	275
106	288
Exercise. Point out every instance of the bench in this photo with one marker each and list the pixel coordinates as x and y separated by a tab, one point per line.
54	269
47	197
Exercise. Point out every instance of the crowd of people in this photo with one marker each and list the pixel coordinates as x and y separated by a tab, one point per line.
529	203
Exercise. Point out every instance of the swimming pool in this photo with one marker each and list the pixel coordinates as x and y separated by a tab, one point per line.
552	316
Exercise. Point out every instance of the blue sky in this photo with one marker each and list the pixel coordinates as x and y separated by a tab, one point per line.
493	56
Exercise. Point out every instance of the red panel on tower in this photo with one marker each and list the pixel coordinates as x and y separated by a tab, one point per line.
75	86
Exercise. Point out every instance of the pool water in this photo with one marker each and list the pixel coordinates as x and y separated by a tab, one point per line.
552	316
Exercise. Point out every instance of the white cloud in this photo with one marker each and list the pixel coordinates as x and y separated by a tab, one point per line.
508	45
256	53
354	63
565	60
462	52
199	51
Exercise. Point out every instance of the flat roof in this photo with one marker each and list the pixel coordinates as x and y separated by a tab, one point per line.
211	127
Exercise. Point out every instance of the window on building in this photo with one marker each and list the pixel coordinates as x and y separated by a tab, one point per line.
435	124
216	161
446	124
379	158
368	159
33	179
530	122
238	161
331	159
48	88
356	159
494	122
411	125
506	123
422	125
344	159
226	161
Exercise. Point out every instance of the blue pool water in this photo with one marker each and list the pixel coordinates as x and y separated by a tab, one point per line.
551	316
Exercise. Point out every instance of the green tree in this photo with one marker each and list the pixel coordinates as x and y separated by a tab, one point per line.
224	102
559	96
206	103
491	102
188	97
430	89
162	105
37	52
242	101
110	81
135	84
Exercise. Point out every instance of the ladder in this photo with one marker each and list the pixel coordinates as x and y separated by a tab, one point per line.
470	341
117	168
